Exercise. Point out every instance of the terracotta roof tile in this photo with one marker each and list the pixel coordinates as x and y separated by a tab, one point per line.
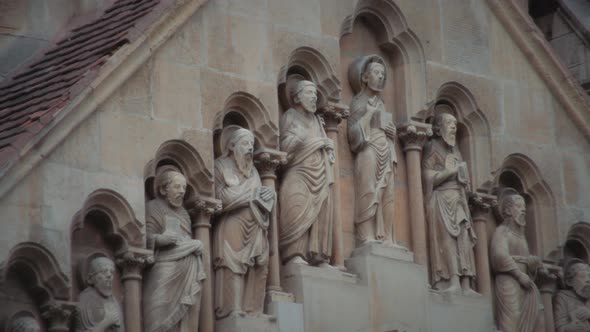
32	98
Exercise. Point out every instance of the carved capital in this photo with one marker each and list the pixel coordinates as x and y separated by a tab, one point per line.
201	205
333	113
58	314
480	204
267	161
414	134
133	261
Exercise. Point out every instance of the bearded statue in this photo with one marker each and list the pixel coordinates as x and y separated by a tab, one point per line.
98	309
451	233
172	287
572	305
241	249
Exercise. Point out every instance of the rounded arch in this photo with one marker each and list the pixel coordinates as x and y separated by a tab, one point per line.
475	138
37	269
521	173
577	243
247	111
115	217
396	39
313	66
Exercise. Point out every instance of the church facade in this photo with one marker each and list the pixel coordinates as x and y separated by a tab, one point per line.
317	165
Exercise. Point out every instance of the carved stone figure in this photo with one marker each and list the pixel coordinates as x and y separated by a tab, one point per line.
371	135
519	305
172	286
98	310
241	248
451	233
23	323
572	305
306	200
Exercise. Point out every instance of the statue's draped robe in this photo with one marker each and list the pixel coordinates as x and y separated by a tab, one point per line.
306	216
173	284
373	171
517	309
565	303
450	228
241	243
92	309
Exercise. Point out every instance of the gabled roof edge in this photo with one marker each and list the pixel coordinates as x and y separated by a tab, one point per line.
116	71
533	44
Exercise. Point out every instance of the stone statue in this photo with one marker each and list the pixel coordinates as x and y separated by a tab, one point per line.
98	310
518	301
240	253
371	133
172	286
572	305
306	200
23	322
451	233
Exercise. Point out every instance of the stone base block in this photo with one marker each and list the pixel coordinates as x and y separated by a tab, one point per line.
332	299
288	313
451	313
247	323
397	288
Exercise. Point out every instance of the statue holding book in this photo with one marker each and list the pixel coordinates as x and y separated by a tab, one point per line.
241	249
172	287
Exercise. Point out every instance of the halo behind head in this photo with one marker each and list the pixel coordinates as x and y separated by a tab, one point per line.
359	66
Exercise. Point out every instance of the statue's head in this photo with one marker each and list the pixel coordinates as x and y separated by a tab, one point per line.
577	277
101	272
306	95
513	207
445	126
240	146
373	76
171	186
23	322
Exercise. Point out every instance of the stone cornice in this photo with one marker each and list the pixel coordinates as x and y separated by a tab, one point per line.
114	73
537	50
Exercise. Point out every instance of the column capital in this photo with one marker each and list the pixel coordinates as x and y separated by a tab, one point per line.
414	134
481	203
201	205
548	277
267	161
133	261
58	315
333	113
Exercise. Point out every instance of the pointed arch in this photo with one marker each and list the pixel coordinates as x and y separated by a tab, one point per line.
312	65
256	117
39	271
395	37
115	216
475	142
577	243
188	160
521	173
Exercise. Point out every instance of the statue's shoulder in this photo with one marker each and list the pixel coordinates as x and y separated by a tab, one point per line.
154	206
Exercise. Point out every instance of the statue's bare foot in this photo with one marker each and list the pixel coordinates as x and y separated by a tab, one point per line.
370	241
470	292
453	289
297	260
327	266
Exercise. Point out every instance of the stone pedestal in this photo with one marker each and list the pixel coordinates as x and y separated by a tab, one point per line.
451	313
396	288
247	323
289	315
332	300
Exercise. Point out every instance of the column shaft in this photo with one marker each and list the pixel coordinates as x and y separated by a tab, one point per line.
413	157
201	232
484	285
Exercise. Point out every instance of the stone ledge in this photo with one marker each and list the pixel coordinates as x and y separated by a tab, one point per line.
379	250
246	323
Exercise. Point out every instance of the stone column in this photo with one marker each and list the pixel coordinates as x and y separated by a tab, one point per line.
267	161
547	282
333	114
202	208
58	315
131	263
413	136
480	205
